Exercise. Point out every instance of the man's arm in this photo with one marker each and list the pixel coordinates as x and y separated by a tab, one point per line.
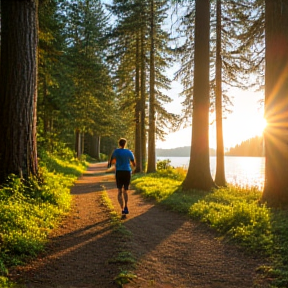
133	163
113	158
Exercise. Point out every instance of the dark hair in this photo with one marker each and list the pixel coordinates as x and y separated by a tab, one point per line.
122	142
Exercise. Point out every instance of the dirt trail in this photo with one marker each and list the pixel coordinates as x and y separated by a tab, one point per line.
171	251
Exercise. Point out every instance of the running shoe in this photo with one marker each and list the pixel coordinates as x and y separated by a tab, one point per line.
126	210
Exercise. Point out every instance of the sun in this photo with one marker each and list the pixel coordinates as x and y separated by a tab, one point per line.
254	125
260	125
242	126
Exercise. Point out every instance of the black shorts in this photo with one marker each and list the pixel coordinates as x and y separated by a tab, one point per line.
123	179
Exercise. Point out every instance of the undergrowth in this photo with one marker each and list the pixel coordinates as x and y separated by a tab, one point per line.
235	212
29	209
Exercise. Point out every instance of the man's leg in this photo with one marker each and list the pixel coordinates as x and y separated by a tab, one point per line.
120	198
126	186
125	194
125	197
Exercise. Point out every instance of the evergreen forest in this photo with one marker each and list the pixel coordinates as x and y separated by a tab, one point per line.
76	75
92	71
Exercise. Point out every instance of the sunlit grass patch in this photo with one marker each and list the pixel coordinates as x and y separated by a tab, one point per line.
160	185
71	166
157	188
280	245
248	223
114	217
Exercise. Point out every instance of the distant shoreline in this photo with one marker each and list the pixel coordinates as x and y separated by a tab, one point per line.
179	152
252	147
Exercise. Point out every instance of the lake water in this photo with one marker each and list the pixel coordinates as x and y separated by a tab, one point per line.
243	171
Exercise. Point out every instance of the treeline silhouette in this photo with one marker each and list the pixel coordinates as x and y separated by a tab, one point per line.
178	152
253	147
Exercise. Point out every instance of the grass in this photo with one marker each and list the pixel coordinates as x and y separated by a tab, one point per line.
235	212
29	209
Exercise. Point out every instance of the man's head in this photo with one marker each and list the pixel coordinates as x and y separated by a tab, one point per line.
122	142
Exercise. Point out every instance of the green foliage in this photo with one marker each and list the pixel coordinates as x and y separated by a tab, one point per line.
75	89
247	222
124	277
123	257
280	231
114	217
158	185
163	164
5	283
63	162
103	157
29	209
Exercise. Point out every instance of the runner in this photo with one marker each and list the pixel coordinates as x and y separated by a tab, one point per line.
123	158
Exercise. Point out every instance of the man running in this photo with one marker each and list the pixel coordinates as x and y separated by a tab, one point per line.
123	158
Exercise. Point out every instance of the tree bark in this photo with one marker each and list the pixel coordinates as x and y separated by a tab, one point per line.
137	109
143	102
98	144
220	165
198	174
276	103
151	166
18	88
78	143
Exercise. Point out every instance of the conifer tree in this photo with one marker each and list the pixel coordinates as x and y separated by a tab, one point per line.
220	165
87	99
18	88
51	45
199	175
126	59
230	64
134	23
151	165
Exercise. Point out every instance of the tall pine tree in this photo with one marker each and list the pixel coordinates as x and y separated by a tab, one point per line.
18	88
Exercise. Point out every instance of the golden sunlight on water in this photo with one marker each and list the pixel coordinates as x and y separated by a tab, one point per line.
242	171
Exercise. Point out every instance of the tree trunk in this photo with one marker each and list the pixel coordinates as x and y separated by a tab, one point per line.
220	167
82	136
151	167
92	143
137	110
276	103
78	143
199	175
18	88
143	101
98	143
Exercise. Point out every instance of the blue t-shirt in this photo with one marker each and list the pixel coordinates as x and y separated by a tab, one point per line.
123	158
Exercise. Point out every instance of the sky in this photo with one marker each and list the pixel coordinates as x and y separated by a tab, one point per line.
246	120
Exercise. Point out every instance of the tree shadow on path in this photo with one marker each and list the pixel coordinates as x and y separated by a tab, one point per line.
175	251
171	251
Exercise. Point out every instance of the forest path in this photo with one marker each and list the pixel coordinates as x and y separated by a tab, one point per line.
170	250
